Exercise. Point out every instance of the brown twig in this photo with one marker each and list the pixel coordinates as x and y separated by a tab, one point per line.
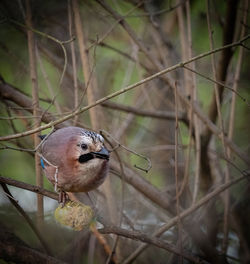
130	87
103	242
136	235
112	254
218	106
13	249
228	35
223	64
26	217
146	113
176	172
9	92
187	212
29	187
213	128
61	43
107	33
132	151
184	46
193	116
130	32
219	83
73	56
49	85
232	115
90	81
35	104
236	79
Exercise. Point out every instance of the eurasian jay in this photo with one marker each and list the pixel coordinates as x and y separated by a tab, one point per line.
74	159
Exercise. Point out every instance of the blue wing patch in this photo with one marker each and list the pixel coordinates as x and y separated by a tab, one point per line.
42	163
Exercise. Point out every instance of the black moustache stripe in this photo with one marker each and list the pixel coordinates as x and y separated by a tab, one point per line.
85	157
89	156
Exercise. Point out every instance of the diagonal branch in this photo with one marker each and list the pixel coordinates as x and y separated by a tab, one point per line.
136	235
29	187
14	250
9	92
146	113
124	90
26	217
187	212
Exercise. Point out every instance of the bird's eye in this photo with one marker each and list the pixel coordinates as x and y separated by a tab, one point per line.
84	146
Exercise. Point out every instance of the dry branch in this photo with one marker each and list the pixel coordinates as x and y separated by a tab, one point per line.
89	78
136	235
187	212
26	217
35	104
146	113
13	249
126	89
29	187
11	93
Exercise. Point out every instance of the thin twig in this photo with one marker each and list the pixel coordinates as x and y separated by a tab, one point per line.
112	254
73	56
29	187
218	105
35	103
136	235
193	116
132	151
90	81
160	12
107	33
219	83
48	82
61	43
102	241
26	217
126	89
176	172
146	113
187	212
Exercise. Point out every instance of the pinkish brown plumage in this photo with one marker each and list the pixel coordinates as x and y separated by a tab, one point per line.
80	157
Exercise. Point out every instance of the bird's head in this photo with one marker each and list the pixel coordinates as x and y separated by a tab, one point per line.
91	146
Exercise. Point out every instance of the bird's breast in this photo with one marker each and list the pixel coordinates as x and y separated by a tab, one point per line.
76	177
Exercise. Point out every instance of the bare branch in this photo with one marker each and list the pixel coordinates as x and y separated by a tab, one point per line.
187	212
29	187
121	91
146	113
26	217
13	249
136	235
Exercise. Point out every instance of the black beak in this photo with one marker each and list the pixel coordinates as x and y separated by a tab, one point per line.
102	154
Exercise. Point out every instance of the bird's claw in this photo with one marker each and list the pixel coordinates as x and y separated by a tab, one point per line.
63	198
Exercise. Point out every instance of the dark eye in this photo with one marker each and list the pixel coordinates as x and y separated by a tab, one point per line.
84	146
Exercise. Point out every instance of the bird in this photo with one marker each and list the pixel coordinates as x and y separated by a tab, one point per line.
74	160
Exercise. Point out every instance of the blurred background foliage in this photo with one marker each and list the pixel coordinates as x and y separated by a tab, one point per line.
117	62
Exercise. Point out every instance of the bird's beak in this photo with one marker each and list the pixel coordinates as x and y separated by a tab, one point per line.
102	154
